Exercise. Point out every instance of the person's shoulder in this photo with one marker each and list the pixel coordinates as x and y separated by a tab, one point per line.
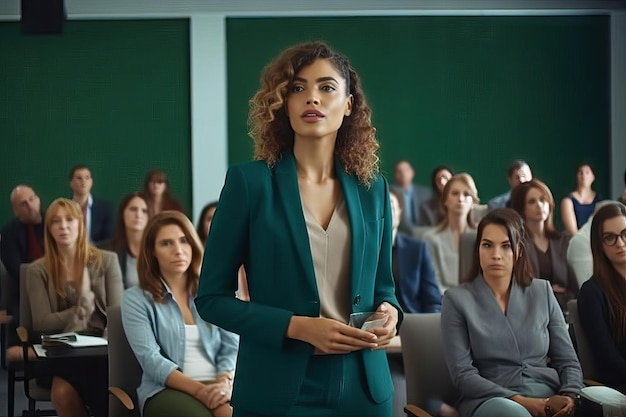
10	227
136	295
104	245
460	293
402	239
250	167
107	255
539	286
250	172
102	202
499	201
590	286
36	267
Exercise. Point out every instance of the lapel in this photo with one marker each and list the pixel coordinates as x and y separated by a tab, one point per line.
531	252
357	225
286	180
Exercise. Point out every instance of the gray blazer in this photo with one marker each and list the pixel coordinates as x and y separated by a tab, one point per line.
445	255
106	283
488	353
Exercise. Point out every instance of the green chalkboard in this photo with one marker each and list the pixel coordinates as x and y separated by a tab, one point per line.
114	95
472	92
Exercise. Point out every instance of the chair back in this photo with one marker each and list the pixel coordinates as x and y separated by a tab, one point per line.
124	370
425	369
583	349
26	317
32	390
466	254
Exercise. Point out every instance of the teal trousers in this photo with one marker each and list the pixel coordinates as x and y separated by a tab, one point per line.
334	386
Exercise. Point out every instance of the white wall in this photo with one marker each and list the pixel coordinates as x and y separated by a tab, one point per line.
209	151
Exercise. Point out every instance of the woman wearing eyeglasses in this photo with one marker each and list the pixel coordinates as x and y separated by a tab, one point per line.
601	305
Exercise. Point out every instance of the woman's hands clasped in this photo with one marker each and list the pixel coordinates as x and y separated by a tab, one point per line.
333	337
216	395
555	406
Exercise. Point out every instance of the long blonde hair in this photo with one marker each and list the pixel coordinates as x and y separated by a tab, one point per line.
467	180
85	254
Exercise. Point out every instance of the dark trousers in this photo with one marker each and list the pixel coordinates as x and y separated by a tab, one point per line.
334	385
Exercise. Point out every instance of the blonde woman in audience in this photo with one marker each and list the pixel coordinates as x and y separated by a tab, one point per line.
580	203
458	197
132	217
188	364
546	248
601	306
69	289
156	188
505	340
431	211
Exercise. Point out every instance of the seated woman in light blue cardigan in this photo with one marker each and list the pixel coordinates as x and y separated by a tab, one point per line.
188	364
502	328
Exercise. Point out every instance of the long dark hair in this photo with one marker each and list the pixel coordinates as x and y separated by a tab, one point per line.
203	234
120	242
433	177
604	273
514	226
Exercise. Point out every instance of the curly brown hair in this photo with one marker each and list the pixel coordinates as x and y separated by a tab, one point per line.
269	127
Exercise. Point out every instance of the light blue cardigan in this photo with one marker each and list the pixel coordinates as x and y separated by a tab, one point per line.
156	333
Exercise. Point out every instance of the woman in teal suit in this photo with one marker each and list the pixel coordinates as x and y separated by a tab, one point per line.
310	221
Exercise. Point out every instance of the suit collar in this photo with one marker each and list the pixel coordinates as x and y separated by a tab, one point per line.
355	212
286	179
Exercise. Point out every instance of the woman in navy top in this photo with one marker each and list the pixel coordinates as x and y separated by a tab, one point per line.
601	304
580	203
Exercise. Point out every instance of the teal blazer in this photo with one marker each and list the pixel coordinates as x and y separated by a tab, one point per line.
259	223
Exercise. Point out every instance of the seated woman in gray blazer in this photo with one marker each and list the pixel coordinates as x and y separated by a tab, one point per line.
502	328
458	197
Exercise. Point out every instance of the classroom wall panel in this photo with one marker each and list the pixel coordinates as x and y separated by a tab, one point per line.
473	92
114	95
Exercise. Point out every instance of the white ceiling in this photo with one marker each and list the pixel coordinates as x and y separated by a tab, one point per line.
96	9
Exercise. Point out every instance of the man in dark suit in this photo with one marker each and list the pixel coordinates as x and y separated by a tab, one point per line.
416	284
411	196
22	238
98	213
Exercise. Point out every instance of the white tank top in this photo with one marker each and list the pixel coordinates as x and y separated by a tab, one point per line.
196	364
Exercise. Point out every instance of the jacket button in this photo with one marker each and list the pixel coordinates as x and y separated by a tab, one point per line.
357	300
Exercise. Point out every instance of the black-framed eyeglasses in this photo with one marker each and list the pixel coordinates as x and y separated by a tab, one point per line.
610	239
